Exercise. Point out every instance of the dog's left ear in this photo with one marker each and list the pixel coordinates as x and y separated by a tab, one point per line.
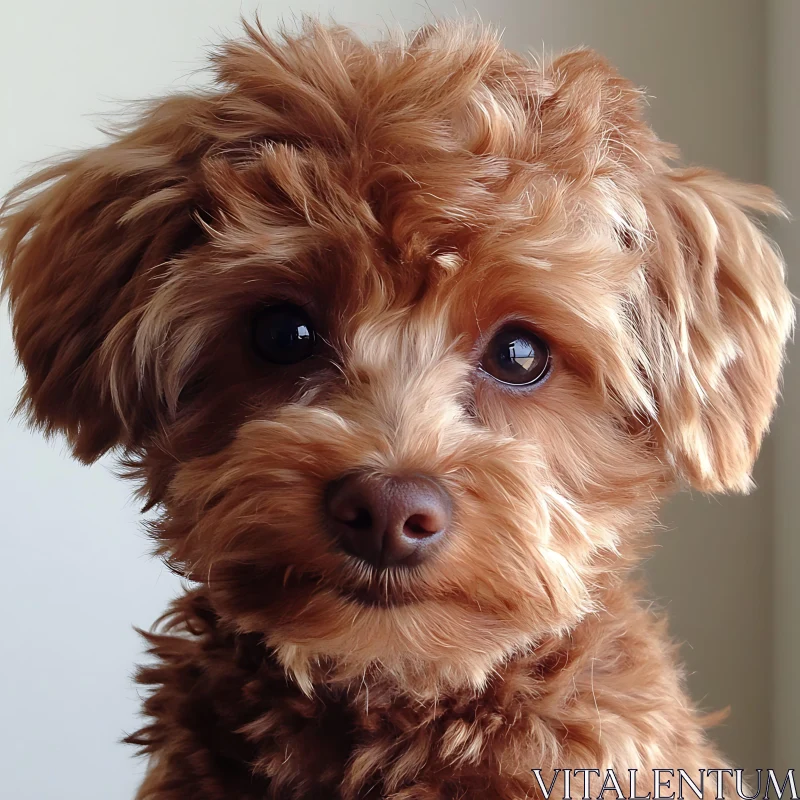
714	314
711	305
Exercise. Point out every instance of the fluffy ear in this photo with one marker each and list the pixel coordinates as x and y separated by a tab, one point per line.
591	121
715	318
80	244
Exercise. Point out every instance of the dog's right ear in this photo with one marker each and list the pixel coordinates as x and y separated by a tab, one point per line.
81	243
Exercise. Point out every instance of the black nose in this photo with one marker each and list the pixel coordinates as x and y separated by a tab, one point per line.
387	521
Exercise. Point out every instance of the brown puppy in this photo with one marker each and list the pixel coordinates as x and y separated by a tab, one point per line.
406	341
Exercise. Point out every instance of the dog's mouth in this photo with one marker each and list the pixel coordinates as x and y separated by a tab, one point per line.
385	589
264	587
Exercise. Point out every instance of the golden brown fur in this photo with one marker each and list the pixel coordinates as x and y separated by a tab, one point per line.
412	195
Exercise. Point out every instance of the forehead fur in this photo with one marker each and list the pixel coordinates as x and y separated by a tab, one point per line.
433	134
384	168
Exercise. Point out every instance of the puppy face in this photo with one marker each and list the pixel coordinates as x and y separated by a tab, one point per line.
424	290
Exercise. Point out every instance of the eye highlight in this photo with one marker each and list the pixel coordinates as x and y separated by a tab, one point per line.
516	356
283	334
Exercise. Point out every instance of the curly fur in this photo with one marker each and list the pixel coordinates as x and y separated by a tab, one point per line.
412	194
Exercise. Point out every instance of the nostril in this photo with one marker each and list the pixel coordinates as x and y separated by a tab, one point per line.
421	526
355	516
360	519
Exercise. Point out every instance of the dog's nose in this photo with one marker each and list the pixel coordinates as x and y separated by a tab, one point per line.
385	520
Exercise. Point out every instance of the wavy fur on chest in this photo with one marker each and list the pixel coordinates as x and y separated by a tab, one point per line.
226	721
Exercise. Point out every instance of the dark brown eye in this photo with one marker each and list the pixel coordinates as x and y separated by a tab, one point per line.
283	334
517	357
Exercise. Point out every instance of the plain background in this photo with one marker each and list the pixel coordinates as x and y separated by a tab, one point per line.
723	79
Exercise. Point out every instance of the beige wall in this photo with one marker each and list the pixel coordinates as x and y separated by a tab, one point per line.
784	176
